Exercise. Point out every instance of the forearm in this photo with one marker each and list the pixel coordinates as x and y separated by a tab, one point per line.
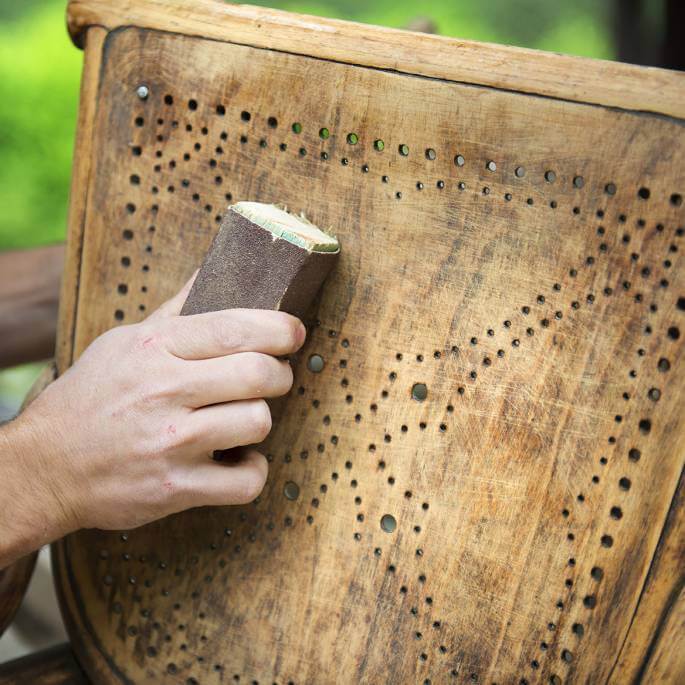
29	296
30	513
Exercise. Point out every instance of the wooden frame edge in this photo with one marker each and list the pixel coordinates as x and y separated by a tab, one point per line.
78	200
643	654
577	79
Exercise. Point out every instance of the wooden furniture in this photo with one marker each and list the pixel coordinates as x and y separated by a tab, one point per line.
478	473
53	666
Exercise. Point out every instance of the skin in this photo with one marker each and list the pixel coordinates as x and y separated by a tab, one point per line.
126	435
29	297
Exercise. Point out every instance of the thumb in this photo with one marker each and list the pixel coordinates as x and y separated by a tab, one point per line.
173	306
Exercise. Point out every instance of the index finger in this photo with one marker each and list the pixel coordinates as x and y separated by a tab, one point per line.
216	334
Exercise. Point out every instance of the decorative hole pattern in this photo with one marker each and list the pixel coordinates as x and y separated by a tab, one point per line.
529	292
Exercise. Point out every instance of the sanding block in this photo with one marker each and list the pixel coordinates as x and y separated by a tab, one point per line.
263	258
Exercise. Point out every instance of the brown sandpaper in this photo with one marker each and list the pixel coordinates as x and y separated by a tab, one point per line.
248	266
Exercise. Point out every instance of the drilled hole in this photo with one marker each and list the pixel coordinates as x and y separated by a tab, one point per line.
315	363
419	391
291	490
388	523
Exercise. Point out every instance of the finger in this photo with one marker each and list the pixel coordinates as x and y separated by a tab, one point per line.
242	376
234	424
216	484
173	306
215	334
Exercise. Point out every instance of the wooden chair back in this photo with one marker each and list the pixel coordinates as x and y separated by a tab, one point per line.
483	482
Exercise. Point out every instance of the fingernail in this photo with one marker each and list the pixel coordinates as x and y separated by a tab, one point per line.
301	334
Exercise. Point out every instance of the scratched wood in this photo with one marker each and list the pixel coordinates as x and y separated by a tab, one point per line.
486	462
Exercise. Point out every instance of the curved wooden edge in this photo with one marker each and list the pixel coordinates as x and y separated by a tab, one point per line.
578	79
54	666
15	578
80	183
13	583
654	649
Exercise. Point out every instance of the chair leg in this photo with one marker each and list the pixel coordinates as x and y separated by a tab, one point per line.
54	666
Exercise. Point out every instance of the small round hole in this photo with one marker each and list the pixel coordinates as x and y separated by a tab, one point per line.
419	391
291	490
388	523
315	363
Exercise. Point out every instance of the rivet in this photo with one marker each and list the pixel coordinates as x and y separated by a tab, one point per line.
315	363
388	523
291	490
142	92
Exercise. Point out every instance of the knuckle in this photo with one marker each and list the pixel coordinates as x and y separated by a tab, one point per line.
228	333
292	327
174	435
261	419
253	486
147	338
259	371
288	377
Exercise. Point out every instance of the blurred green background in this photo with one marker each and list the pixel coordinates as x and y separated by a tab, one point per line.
40	72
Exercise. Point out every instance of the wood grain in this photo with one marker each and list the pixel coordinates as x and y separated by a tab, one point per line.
654	650
54	666
13	583
522	260
80	179
516	69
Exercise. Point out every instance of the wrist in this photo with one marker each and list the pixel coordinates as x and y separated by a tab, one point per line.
33	508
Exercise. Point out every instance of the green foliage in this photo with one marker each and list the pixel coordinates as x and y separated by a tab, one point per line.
527	23
40	71
39	79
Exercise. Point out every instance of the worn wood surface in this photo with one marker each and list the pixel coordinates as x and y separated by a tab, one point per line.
523	262
654	651
15	578
13	583
54	666
517	69
80	181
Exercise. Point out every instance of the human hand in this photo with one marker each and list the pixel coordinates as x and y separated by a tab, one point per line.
126	435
